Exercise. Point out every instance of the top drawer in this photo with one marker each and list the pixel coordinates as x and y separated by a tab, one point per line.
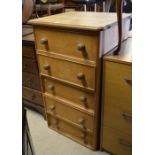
118	84
72	44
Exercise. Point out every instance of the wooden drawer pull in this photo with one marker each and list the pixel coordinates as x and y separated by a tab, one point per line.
83	135
81	47
83	99
55	122
127	116
81	121
123	142
52	107
129	81
46	66
51	87
44	41
80	76
33	97
30	82
25	66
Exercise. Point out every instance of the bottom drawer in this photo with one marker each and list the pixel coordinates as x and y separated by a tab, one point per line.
70	131
115	142
32	95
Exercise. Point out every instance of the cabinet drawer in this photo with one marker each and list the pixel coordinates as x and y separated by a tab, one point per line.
118	84
73	44
29	65
70	130
28	51
69	113
67	92
116	143
119	118
32	95
31	80
76	74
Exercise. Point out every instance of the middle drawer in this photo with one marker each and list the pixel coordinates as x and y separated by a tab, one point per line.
66	71
68	113
61	90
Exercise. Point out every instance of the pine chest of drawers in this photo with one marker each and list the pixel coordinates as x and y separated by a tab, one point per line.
31	94
69	49
116	126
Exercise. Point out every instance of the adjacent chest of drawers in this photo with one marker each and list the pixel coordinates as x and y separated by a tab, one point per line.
69	50
116	125
31	90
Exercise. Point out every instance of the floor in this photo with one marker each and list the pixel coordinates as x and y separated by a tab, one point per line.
49	142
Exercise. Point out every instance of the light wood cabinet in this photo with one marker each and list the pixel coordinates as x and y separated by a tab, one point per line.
116	126
69	49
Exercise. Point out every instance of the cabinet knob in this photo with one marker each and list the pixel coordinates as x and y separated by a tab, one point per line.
51	87
127	116
33	97
83	135
30	82
81	47
44	41
55	121
25	66
81	121
80	76
123	142
83	98
52	107
129	81
46	66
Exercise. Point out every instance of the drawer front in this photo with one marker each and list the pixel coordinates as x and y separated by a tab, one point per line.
29	65
118	85
31	80
119	118
76	96
69	130
32	95
77	74
68	113
116	142
72	44
28	51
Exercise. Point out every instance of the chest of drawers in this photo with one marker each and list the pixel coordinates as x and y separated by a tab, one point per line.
116	126
69	50
31	94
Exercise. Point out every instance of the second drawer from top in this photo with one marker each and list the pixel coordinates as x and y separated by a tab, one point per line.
66	71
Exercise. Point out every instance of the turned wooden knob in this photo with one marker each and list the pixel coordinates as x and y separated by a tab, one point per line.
83	135
46	66
51	87
80	76
81	120
81	47
30	82
55	122
44	41
33	97
83	98
52	107
25	66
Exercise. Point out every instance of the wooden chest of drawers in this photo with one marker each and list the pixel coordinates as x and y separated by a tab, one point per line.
69	50
116	124
31	94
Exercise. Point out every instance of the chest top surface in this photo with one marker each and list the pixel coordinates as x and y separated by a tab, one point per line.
125	54
79	20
